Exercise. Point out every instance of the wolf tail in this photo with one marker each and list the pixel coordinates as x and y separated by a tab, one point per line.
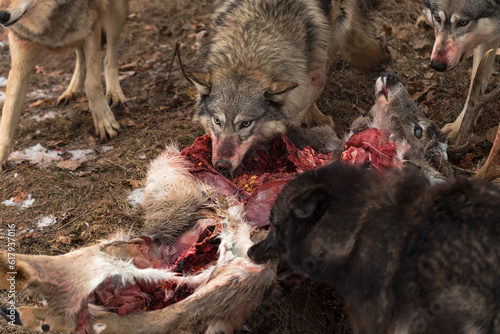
352	39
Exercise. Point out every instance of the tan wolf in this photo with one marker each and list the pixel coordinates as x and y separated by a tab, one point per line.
55	25
266	64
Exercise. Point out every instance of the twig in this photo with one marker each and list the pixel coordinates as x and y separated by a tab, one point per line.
173	58
177	53
407	56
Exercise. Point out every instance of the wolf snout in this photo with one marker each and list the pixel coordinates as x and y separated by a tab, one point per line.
438	65
4	17
223	165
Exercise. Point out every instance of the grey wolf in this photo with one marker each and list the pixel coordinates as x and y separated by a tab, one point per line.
420	143
463	28
266	64
38	25
404	256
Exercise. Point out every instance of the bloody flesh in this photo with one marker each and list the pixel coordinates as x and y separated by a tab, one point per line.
256	184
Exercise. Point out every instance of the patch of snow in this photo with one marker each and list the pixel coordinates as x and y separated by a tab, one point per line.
106	148
136	197
45	222
28	201
38	94
48	115
3	80
83	155
16	175
35	155
142	156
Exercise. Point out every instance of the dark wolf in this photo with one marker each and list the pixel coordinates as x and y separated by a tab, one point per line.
405	257
266	64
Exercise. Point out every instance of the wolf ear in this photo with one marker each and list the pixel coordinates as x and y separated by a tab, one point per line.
201	81
277	89
311	204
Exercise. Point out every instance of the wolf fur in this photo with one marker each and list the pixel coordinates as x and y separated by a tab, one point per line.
405	257
463	28
266	64
38	25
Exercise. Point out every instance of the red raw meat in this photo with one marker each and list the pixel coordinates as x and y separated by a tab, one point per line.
258	181
274	164
371	147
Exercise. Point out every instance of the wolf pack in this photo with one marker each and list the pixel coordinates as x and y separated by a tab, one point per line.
409	245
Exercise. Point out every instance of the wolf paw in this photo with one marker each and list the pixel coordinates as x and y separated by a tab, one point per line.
68	97
116	100
106	125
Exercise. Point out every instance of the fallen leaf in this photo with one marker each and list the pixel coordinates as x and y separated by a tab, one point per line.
418	95
128	122
56	73
39	103
134	184
429	75
419	43
72	165
128	67
19	196
64	239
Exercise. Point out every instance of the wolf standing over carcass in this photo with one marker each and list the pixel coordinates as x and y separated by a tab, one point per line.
405	257
266	64
463	28
54	25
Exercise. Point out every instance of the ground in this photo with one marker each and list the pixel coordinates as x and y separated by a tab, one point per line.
83	201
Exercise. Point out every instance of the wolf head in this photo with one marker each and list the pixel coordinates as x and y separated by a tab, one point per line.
238	112
12	11
312	227
460	26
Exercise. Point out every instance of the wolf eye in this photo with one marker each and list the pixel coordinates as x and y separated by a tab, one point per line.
418	132
246	124
463	23
437	18
216	120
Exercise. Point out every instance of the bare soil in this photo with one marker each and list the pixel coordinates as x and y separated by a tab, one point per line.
90	202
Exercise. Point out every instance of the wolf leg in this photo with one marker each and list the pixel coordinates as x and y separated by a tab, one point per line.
77	83
451	129
24	56
113	26
104	120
